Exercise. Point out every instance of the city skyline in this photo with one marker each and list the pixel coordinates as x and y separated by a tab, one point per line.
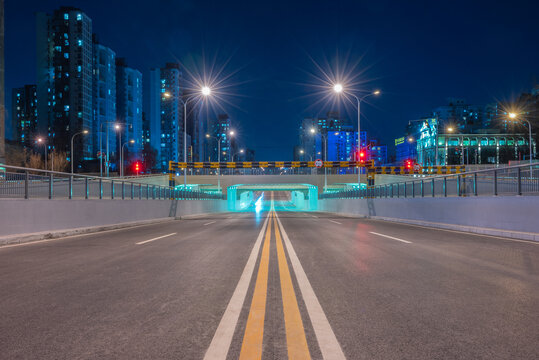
267	91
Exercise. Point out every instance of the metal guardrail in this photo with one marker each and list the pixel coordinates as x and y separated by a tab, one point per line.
24	183
507	181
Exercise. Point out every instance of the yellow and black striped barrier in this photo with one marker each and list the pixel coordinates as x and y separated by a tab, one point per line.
173	165
427	170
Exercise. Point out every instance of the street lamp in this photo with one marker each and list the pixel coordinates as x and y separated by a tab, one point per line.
240	152
122	156
514	117
205	91
83	132
116	127
42	141
338	88
208	136
325	140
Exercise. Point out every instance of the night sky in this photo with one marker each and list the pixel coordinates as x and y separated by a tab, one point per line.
417	52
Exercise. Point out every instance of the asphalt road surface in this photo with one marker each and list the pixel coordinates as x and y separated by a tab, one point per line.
271	285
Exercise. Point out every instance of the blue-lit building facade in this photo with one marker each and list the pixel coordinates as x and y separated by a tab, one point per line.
166	114
129	107
482	146
103	133
64	80
24	114
220	129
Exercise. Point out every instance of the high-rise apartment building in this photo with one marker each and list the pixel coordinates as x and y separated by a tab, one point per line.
64	79
24	114
220	129
166	114
104	134
129	106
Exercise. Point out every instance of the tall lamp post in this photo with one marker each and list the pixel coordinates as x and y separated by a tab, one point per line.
42	141
208	136
83	132
338	88
117	127
514	117
239	152
325	140
205	91
122	157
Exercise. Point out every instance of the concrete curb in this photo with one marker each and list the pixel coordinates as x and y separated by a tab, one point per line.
45	235
511	234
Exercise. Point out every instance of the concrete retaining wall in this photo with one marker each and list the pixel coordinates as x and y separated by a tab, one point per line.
511	216
24	217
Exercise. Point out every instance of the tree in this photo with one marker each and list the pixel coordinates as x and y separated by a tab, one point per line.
35	161
58	161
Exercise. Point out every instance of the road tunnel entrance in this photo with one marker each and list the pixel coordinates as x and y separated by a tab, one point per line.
287	197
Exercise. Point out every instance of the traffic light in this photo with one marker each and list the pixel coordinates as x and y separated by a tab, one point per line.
361	156
408	164
137	167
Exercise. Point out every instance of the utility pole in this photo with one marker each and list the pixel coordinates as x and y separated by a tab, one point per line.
2	89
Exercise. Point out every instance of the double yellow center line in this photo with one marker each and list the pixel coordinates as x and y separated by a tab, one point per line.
252	345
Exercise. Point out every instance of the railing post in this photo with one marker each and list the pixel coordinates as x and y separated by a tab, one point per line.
70	187
51	186
413	189
26	188
86	188
153	192
445	186
422	188
458	185
132	191
123	190
112	189
140	191
398	190
100	188
405	195
519	181
495	182
432	187
475	184
147	192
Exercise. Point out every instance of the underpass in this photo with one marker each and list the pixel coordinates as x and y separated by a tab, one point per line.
272	284
276	278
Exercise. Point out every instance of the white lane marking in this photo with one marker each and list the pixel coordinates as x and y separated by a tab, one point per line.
327	341
81	235
533	242
157	238
391	237
222	338
314	216
211	222
336	222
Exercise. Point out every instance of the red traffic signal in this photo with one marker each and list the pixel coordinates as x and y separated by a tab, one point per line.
137	167
409	164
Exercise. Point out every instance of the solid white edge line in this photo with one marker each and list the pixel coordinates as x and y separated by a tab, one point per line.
327	341
391	237
220	344
157	238
11	245
336	222
211	222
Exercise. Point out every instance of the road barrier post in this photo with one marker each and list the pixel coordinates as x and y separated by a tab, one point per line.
70	194
51	182
26	180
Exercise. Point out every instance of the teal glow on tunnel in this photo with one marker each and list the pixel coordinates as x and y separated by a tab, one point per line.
250	197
